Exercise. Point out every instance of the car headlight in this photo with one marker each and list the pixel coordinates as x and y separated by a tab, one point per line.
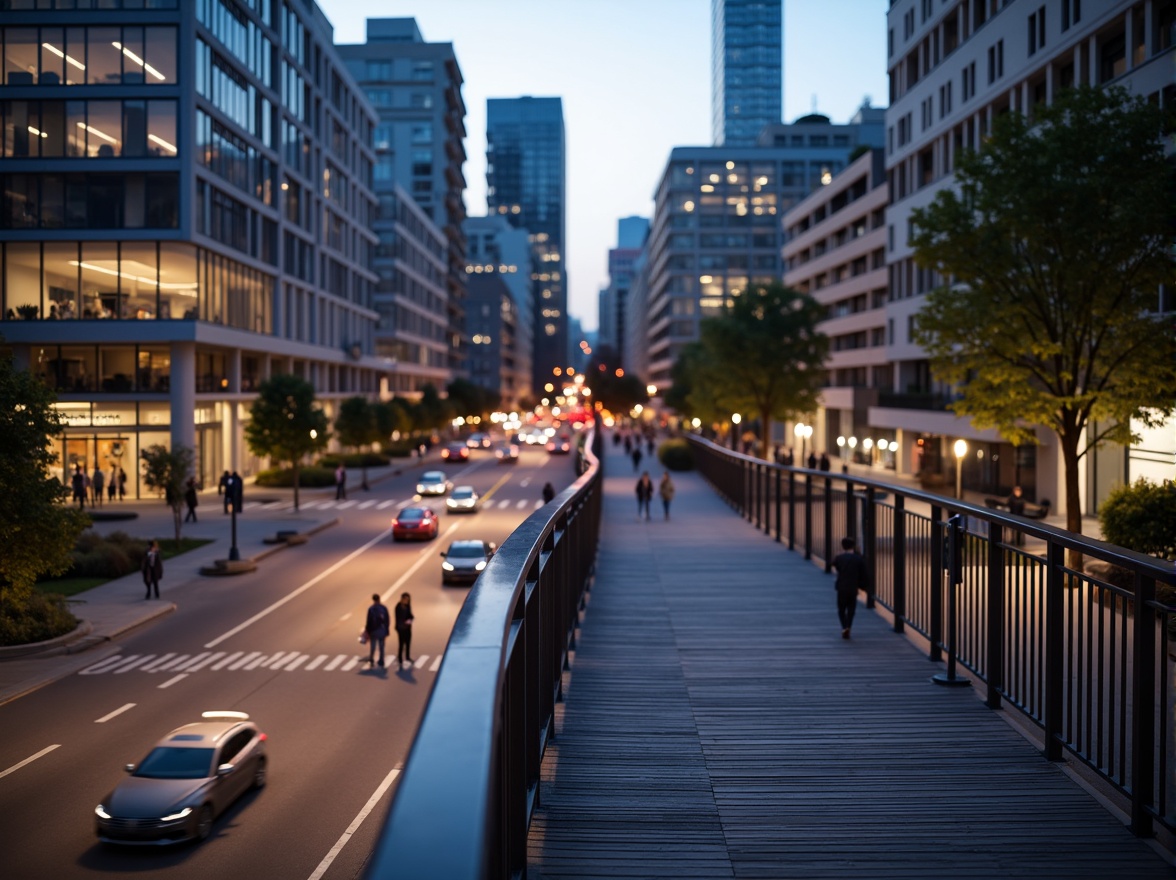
187	811
480	565
447	566
100	812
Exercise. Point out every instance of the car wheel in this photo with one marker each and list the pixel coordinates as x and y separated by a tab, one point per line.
259	774
204	822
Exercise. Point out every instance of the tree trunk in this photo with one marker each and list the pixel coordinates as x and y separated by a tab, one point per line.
177	516
1071	461
766	438
295	469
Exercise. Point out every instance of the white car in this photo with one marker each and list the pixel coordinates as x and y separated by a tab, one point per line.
462	499
433	483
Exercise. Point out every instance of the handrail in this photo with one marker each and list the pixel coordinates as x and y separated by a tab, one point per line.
1090	659
470	783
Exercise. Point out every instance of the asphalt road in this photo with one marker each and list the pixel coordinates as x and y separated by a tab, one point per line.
281	644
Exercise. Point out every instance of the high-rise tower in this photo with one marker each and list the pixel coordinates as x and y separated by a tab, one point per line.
525	183
747	64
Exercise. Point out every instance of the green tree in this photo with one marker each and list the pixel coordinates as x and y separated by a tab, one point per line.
166	471
37	530
286	425
688	395
432	411
1056	238
763	357
468	399
356	427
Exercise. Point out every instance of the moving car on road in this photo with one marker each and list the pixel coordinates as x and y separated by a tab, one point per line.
464	561
508	453
415	523
455	452
433	483
189	778
560	445
479	441
462	499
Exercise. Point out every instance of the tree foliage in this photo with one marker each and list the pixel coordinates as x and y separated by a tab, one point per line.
37	530
1057	237
763	357
286	425
166	471
467	399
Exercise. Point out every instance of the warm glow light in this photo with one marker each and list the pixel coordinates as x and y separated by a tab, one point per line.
960	448
867	444
69	59
688	206
158	140
37	132
98	133
696	422
557	372
736	418
619	372
841	441
147	67
163	285
651	390
549	388
853	442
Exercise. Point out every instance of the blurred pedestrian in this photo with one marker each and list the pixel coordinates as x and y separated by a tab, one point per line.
122	483
376	628
238	492
852	575
78	484
112	487
404	629
548	493
152	569
191	499
98	484
644	490
666	490
812	461
222	485
823	464
340	482
636	457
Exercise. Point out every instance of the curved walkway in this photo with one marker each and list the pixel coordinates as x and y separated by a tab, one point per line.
716	724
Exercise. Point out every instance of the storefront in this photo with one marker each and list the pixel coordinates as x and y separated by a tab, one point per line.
110	437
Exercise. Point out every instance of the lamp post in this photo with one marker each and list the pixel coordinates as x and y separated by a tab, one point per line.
803	432
841	454
961	449
735	420
868	446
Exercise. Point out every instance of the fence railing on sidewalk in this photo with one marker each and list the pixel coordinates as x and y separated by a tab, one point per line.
471	781
1087	658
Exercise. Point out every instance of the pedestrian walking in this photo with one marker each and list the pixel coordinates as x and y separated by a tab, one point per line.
628	445
152	569
852	575
78	484
644	494
1016	505
112	486
404	629
636	457
222	484
226	483
812	461
191	499
238	501
823	464
122	484
340	482
548	493
98	484
376	629
666	490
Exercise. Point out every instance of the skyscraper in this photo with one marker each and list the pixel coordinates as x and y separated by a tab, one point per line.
747	64
525	183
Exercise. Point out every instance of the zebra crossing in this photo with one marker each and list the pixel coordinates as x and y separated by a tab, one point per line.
241	661
332	504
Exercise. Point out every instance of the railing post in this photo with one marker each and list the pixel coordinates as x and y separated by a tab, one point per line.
779	471
898	551
870	544
808	516
828	523
757	494
996	603
1055	649
1143	722
791	510
935	630
765	509
956	537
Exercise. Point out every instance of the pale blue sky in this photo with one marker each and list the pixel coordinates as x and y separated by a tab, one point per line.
634	76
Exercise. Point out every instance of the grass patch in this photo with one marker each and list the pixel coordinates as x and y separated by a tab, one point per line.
71	585
68	586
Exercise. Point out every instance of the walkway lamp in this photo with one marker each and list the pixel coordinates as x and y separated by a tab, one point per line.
735	420
960	449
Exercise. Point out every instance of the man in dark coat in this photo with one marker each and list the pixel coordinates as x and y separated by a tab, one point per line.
377	627
852	575
152	569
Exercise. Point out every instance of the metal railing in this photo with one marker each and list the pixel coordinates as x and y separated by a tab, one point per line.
1088	659
471	781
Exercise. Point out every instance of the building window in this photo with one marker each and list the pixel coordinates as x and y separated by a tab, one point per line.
1071	13
1036	22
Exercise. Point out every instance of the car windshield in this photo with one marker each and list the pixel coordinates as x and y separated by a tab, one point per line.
411	513
467	551
168	763
433	477
463	493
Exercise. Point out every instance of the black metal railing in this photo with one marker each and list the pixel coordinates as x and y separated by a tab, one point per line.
1089	659
471	781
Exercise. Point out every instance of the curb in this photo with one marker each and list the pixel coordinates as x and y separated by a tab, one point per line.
224	568
12	652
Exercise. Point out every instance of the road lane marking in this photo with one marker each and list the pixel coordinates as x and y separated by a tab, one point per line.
424	555
173	680
102	665
227	661
339	658
316	662
296	662
384	504
354	826
351	664
343	505
187	665
151	667
306	586
261	659
272	663
494	488
525	483
211	658
171	664
436	663
364	505
114	714
39	754
420	661
132	662
522	504
244	660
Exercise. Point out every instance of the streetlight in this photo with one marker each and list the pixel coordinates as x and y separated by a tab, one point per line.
802	432
735	420
961	449
841	453
868	446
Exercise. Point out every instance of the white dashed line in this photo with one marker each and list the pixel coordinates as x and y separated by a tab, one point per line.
114	714
29	760
173	680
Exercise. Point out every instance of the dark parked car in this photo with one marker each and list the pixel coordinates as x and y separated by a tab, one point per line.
464	561
189	778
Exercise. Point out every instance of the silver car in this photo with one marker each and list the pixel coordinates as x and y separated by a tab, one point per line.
189	778
433	483
462	499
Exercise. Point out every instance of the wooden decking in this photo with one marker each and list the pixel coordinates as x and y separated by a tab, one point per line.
717	725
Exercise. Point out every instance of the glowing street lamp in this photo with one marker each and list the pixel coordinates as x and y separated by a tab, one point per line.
961	449
735	420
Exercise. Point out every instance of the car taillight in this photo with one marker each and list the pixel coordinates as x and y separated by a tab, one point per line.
262	737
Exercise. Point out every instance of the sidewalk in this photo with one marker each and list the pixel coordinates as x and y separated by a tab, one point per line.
117	607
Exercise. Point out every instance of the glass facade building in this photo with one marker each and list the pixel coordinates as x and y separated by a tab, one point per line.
525	183
185	209
747	69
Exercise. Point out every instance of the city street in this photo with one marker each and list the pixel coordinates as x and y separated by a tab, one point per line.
281	644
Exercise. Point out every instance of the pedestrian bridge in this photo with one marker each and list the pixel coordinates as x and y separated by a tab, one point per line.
710	721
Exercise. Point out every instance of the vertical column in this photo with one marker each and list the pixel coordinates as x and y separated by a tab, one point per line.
1129	39
183	394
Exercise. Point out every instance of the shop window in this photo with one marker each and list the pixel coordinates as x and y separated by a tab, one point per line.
116	368
101	297
76	369
61	280
154	369
139	279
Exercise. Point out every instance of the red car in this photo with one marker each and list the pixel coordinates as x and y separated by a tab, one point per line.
455	452
415	523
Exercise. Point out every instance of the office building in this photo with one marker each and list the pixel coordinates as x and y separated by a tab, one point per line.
186	209
525	183
419	139
953	68
612	324
747	69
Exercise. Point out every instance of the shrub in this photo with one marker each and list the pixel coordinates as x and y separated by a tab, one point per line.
354	460
676	455
34	618
308	478
112	556
1141	517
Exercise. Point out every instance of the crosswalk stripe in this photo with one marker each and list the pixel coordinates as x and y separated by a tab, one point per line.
420	661
436	663
351	664
171	664
316	662
274	505
343	505
208	658
298	660
102	665
186	665
364	505
132	663
522	504
173	680
339	658
226	661
247	658
311	505
273	661
538	504
384	504
504	504
151	667
262	658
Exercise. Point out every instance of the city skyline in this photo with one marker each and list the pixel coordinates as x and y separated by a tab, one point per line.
612	173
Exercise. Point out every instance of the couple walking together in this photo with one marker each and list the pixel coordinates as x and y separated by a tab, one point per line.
665	490
377	626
